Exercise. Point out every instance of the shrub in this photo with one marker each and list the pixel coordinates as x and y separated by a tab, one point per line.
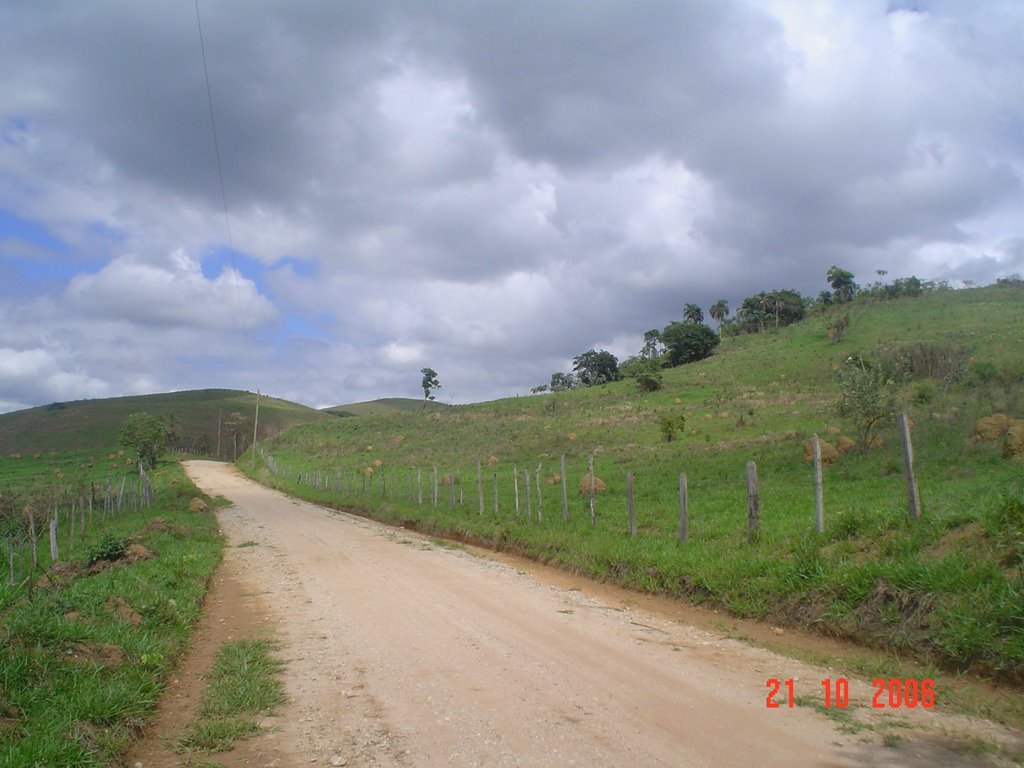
984	372
670	424
109	548
648	382
925	360
924	393
868	396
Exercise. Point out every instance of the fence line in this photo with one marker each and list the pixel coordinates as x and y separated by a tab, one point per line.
590	487
22	535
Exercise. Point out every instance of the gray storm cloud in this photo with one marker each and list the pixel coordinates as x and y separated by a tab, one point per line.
487	189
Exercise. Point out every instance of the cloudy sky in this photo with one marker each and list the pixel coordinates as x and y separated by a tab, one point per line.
485	187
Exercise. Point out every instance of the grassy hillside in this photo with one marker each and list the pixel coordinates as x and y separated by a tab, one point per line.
948	588
94	424
385	405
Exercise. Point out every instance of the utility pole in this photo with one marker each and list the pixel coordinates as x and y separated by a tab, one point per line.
255	426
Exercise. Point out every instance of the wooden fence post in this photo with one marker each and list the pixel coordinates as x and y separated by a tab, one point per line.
480	485
629	505
33	538
419	485
684	512
565	492
495	494
540	505
753	502
913	495
54	554
434	496
819	493
526	482
515	479
593	512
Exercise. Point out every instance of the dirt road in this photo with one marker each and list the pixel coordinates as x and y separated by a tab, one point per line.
406	652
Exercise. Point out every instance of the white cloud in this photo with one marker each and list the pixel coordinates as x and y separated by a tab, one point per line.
171	292
34	376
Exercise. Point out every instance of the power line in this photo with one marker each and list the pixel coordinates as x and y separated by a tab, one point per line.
223	190
227	227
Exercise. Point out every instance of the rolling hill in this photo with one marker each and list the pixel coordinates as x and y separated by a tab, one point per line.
385	405
94	424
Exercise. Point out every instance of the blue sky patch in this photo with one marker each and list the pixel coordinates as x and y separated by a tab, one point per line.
216	259
301	267
300	326
13	226
108	232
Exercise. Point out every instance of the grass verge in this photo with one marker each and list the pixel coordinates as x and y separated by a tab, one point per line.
242	684
84	658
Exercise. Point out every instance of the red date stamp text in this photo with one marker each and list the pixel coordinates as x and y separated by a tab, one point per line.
892	693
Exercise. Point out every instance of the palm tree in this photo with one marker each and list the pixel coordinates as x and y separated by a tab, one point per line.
693	314
719	311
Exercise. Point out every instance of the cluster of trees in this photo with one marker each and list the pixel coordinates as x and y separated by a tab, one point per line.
677	344
767	309
844	289
589	369
778	308
690	339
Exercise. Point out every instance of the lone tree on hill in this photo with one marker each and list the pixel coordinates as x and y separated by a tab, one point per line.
429	384
145	435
